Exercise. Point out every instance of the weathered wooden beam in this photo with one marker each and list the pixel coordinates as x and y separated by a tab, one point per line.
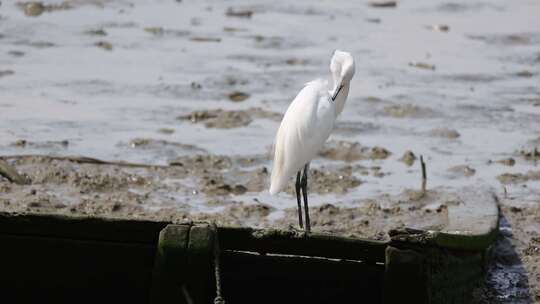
298	243
81	227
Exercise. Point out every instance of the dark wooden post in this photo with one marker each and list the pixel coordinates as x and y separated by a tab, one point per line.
170	264
182	269
405	277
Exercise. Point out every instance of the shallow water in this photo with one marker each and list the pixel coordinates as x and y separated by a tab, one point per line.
64	87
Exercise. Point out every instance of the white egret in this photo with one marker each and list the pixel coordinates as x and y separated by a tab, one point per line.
305	127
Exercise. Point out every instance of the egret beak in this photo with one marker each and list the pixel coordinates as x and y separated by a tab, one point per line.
337	92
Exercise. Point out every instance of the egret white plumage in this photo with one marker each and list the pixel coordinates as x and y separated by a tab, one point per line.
305	127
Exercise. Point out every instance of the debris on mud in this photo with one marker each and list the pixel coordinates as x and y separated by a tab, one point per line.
439	28
4	73
15	54
223	119
159	31
532	154
383	3
23	143
518	178
507	161
352	151
296	61
525	74
104	45
36	8
242	13
96	32
407	110
408	158
422	65
167	131
205	39
220	119
461	170
149	143
238	96
445	133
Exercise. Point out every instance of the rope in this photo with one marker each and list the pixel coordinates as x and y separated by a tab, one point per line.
217	271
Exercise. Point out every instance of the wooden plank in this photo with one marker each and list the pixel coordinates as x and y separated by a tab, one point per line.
81	227
58	270
298	243
255	278
473	223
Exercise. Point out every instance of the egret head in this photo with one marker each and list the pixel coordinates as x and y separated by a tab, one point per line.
342	68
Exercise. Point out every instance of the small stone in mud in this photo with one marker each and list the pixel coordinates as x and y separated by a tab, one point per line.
507	161
196	85
462	170
205	39
36	8
20	143
379	153
238	96
445	133
6	73
525	74
383	3
104	45
33	9
408	158
166	131
422	65
239	13
96	32
439	28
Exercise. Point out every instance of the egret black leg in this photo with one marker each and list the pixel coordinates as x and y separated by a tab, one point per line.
298	199
304	192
